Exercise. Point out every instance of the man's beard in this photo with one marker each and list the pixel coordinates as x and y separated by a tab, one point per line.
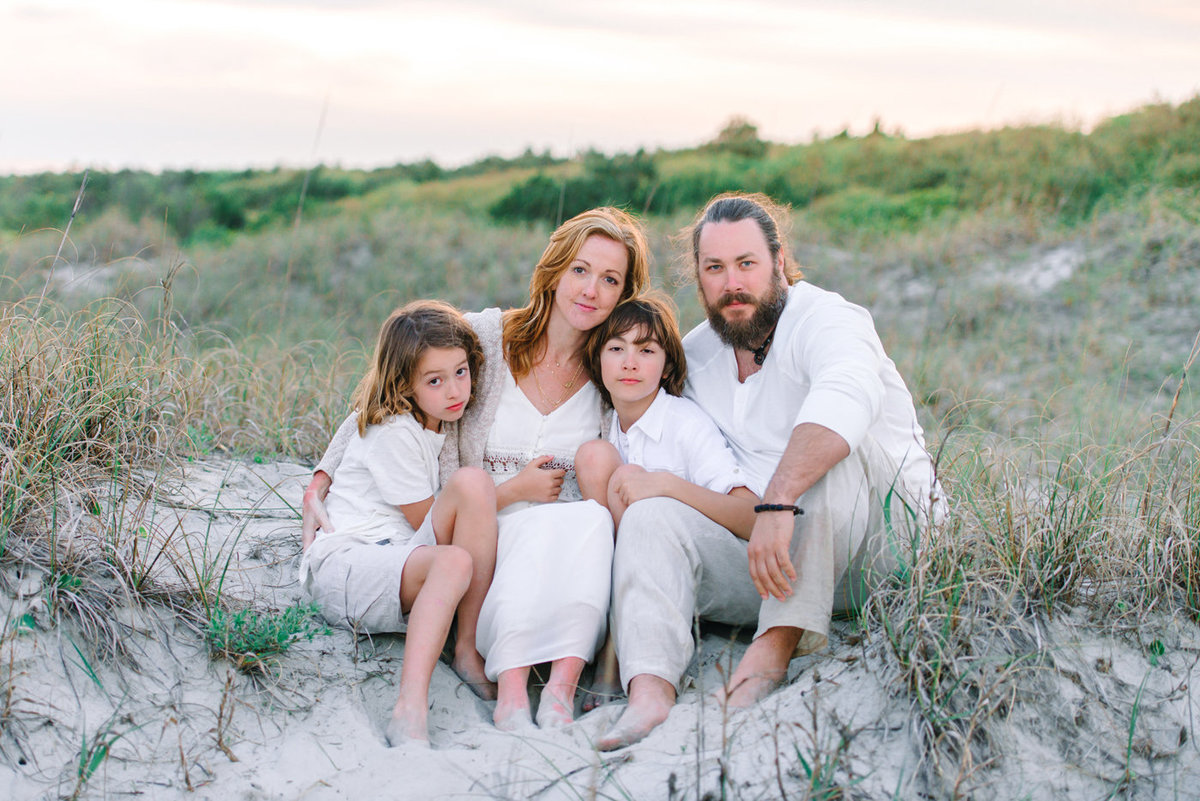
748	334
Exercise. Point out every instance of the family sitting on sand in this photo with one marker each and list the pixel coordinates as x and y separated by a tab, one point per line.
765	478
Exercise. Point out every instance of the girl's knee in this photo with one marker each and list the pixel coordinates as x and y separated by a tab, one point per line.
472	480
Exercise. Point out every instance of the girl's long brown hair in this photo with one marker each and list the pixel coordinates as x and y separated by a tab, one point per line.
387	388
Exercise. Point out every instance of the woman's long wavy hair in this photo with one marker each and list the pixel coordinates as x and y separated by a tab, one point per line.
387	388
524	327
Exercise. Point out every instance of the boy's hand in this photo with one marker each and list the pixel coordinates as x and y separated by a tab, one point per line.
631	487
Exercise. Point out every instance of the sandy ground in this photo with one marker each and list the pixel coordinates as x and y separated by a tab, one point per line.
1103	715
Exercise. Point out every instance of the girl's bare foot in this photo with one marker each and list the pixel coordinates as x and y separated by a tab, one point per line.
470	670
408	725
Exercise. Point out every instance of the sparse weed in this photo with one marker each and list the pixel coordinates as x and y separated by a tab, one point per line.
252	639
94	750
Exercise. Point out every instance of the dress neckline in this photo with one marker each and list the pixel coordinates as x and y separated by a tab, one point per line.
512	381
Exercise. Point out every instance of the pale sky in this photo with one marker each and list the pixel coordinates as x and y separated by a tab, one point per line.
235	83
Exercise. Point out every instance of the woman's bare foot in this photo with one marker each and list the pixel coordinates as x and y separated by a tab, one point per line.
650	701
408	725
555	710
512	717
470	670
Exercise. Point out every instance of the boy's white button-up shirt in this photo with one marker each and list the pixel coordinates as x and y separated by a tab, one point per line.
674	435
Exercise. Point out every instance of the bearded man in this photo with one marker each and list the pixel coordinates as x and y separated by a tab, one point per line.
826	435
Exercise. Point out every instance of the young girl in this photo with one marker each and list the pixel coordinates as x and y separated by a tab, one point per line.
395	559
660	444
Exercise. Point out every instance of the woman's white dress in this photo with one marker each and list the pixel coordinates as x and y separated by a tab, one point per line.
549	596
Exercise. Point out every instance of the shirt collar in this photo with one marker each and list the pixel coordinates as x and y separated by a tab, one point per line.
653	420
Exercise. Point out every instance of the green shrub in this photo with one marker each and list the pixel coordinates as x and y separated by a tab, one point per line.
252	639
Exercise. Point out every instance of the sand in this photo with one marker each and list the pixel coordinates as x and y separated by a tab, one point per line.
1090	712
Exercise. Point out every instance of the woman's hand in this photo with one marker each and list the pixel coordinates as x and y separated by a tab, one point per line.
535	483
312	510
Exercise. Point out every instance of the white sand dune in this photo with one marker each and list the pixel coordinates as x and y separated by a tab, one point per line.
1088	717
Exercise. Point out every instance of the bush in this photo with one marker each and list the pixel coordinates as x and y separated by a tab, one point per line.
252	639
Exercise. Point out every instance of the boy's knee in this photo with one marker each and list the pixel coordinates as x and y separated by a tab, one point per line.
596	454
625	471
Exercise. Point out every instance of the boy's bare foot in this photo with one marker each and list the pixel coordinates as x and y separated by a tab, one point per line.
650	701
554	710
470	670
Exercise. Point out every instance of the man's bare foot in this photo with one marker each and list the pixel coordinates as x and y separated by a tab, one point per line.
745	692
512	717
555	710
762	669
470	670
408	725
650	701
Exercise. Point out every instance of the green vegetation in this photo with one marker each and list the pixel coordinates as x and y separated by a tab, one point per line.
252	639
1037	287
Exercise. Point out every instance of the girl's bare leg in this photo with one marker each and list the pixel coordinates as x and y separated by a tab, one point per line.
434	580
556	706
512	703
465	514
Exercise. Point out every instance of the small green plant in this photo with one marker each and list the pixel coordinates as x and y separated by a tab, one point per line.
93	752
251	639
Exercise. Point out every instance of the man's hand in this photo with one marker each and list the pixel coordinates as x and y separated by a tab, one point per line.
312	510
770	563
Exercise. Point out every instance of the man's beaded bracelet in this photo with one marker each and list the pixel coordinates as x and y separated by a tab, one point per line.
778	507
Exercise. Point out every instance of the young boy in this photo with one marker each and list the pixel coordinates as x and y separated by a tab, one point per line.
660	444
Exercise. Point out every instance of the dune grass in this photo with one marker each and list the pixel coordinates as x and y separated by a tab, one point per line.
1053	366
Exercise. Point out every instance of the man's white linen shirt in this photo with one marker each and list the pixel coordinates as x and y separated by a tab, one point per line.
674	435
826	365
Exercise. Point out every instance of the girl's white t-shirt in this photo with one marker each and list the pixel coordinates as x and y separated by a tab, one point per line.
394	463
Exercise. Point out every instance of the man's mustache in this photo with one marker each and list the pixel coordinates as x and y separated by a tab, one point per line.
736	297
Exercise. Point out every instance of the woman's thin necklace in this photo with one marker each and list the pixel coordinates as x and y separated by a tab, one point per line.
566	387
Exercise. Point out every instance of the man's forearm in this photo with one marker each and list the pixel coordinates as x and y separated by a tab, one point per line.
811	452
